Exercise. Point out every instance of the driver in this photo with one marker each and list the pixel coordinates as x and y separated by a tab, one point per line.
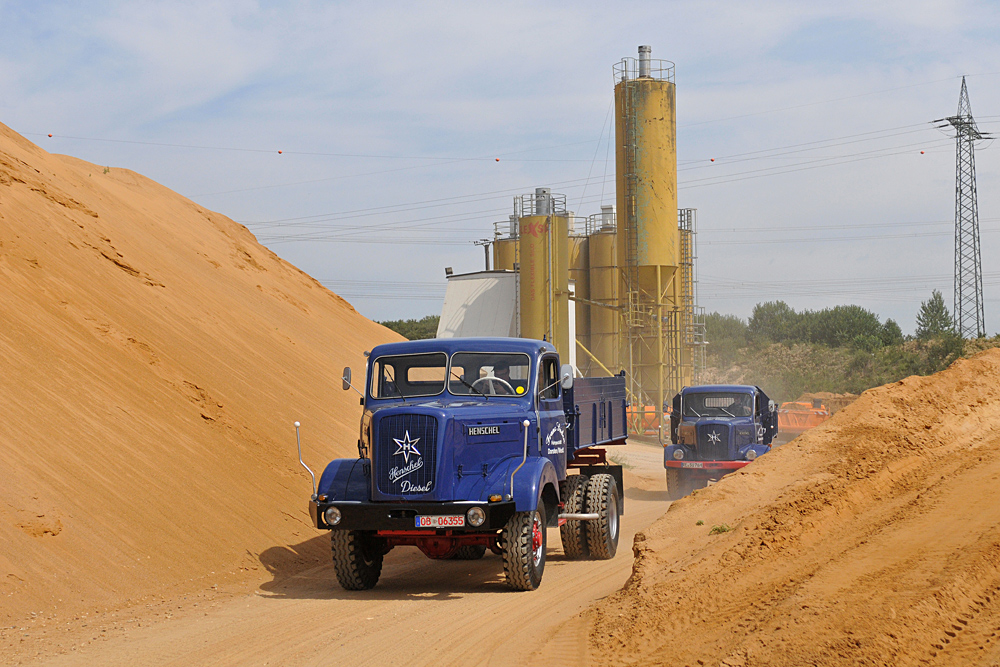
501	371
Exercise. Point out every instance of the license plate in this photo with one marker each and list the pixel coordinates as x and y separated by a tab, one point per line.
446	521
691	464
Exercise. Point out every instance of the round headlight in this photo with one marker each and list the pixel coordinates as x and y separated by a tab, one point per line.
751	454
678	454
332	516
476	516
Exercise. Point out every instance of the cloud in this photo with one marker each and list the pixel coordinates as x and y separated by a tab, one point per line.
447	79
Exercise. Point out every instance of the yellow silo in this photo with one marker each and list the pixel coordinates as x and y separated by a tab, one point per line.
604	321
504	254
579	273
505	246
543	260
648	239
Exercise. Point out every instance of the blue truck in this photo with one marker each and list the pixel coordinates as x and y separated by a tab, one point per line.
714	430
469	444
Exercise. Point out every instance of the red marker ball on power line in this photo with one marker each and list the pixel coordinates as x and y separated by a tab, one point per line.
921	152
50	135
498	159
279	152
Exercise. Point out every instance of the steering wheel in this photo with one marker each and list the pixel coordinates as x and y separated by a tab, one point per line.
491	379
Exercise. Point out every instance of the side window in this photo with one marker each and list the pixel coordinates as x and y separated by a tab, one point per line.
384	381
548	379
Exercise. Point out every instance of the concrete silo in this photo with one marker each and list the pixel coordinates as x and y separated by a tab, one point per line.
648	242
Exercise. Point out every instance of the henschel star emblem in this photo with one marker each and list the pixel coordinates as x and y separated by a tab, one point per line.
712	437
406	447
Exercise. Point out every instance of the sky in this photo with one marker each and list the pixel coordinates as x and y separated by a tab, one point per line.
804	130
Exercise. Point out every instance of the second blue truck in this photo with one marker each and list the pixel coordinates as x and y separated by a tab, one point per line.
714	430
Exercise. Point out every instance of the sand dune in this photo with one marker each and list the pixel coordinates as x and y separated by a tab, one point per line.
873	539
153	357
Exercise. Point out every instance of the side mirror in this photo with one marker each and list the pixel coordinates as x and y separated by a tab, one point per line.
772	406
566	377
347	378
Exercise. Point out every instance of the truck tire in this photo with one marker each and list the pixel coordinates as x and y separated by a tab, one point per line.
602	533
574	533
357	559
524	543
677	485
470	552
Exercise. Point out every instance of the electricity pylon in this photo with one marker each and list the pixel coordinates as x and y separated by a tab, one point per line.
968	313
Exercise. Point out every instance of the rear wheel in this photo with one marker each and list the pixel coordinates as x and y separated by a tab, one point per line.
357	558
524	543
470	552
574	533
602	533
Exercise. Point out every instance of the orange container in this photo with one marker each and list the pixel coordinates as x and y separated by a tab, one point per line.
795	418
644	419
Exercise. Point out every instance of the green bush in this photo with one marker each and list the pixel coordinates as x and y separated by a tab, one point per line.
774	322
414	329
934	320
891	334
727	335
843	325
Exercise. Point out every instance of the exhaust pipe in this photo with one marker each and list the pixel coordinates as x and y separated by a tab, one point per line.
303	463
525	424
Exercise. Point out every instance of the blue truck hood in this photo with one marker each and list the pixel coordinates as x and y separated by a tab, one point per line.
410	460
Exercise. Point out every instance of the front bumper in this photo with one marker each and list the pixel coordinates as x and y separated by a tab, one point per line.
402	516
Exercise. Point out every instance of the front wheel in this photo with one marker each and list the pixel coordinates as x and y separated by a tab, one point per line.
602	533
357	558
677	486
524	542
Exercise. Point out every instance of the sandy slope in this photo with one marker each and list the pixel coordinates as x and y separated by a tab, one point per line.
153	357
871	540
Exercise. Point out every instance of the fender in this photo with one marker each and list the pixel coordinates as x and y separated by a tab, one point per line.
346	479
528	482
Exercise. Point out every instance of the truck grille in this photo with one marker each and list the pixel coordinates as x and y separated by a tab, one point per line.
713	442
406	455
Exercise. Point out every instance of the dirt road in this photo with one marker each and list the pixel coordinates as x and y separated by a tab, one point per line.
422	611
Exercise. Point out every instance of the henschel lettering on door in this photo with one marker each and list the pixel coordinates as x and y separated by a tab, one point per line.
484	430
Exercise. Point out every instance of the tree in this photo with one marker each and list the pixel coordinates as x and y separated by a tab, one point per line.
774	321
414	329
891	334
726	335
934	320
847	325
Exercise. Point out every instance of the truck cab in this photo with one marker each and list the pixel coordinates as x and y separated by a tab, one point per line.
714	430
466	445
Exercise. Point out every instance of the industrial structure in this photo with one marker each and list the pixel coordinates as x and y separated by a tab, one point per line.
970	322
617	290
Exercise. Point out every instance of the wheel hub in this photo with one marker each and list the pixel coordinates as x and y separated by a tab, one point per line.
537	539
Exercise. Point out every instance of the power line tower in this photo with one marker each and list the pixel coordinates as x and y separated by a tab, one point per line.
968	313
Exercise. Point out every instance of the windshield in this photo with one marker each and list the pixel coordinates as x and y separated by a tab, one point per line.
405	375
718	404
489	374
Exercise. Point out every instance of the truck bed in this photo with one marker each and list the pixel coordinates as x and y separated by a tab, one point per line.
596	411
